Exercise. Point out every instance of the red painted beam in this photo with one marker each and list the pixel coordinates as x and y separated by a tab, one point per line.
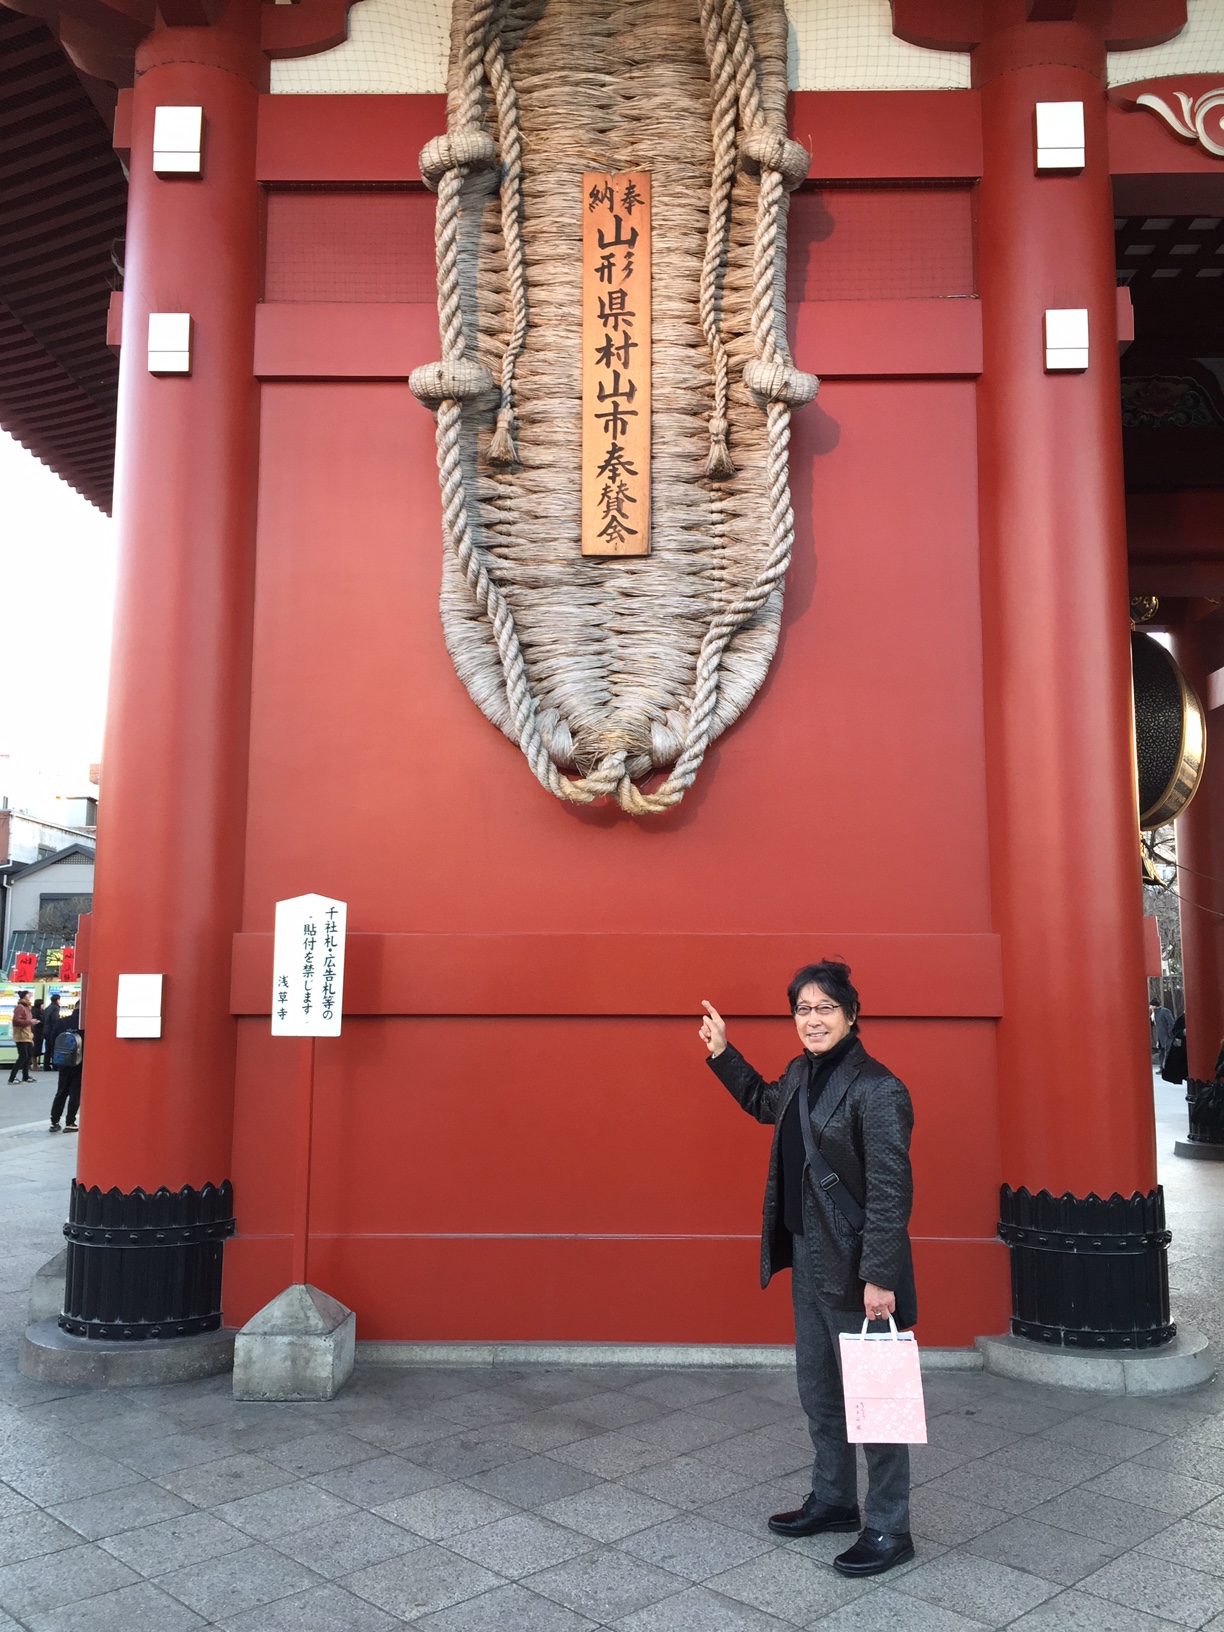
880	338
881	135
343	341
946	976
345	138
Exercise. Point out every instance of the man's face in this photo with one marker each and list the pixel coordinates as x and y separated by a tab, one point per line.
820	1022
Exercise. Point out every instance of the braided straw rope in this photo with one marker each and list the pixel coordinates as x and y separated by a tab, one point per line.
614	670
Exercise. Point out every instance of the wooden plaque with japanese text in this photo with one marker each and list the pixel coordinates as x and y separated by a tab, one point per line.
616	363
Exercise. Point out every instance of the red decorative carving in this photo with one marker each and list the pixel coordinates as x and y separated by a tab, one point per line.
1191	105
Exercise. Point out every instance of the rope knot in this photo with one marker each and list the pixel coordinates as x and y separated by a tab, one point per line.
766	149
780	381
474	148
719	464
502	450
457	379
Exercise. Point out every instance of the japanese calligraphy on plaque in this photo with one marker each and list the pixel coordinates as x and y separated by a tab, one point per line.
616	363
308	967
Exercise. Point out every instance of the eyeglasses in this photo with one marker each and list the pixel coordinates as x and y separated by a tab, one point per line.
824	1010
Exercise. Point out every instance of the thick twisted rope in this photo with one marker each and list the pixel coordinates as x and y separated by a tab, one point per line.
733	72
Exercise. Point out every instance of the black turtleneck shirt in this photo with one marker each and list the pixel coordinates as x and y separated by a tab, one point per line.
791	1153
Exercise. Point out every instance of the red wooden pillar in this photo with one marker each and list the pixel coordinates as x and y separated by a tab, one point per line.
1200	847
158	1111
1074	1061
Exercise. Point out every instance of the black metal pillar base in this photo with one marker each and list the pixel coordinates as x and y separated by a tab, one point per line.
1088	1274
144	1266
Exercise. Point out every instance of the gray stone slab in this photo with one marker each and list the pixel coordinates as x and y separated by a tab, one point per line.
700	1610
533	1481
980	1482
47	1479
1055	1555
328	1608
607	1512
950	1520
694	1547
520	1545
1105	1437
506	1609
280	1512
749	1509
1154	1487
1201	1546
225	1480
1158	1587
1104	1518
977	1587
464	1456
606	1585
128	1508
139	1608
782	1581
689	1481
427	1578
378	1479
1077	1611
48	1355
159	1548
76	1572
338	1547
884	1610
33	1534
223	1587
612	1455
320	1453
445	1510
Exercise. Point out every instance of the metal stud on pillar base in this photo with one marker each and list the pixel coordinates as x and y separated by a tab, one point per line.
1088	1274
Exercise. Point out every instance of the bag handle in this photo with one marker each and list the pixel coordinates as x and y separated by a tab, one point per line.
892	1325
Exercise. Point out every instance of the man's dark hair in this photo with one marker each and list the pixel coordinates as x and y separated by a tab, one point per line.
833	978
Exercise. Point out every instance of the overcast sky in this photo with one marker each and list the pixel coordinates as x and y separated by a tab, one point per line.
57	574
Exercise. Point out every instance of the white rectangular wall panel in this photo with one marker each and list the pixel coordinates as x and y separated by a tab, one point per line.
177	141
308	967
1060	135
169	342
138	1008
1066	339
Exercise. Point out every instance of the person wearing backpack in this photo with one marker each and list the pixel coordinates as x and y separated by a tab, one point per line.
67	1056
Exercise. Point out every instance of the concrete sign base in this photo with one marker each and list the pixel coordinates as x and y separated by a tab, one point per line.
301	1346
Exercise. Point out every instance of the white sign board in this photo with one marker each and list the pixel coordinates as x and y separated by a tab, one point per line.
308	967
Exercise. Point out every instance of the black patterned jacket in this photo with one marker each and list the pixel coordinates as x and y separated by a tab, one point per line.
861	1124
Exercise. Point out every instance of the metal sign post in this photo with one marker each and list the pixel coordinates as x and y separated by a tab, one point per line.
307	1002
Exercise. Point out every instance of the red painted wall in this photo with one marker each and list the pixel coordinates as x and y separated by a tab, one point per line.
514	1175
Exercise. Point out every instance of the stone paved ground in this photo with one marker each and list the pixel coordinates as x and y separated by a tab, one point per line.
547	1500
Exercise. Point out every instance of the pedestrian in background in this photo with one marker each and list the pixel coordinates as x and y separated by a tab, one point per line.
1162	1029
1174	1067
36	1009
52	1020
841	1121
23	1036
69	1056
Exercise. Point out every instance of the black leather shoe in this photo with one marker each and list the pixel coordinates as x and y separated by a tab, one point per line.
874	1552
813	1518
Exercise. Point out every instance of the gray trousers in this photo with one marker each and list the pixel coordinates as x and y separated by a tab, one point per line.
818	1366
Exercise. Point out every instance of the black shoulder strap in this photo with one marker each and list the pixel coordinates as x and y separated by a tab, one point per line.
824	1175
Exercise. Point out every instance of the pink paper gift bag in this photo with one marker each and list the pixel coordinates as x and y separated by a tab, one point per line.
882	1383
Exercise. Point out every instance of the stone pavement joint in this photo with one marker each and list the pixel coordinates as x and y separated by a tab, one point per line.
502	1498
